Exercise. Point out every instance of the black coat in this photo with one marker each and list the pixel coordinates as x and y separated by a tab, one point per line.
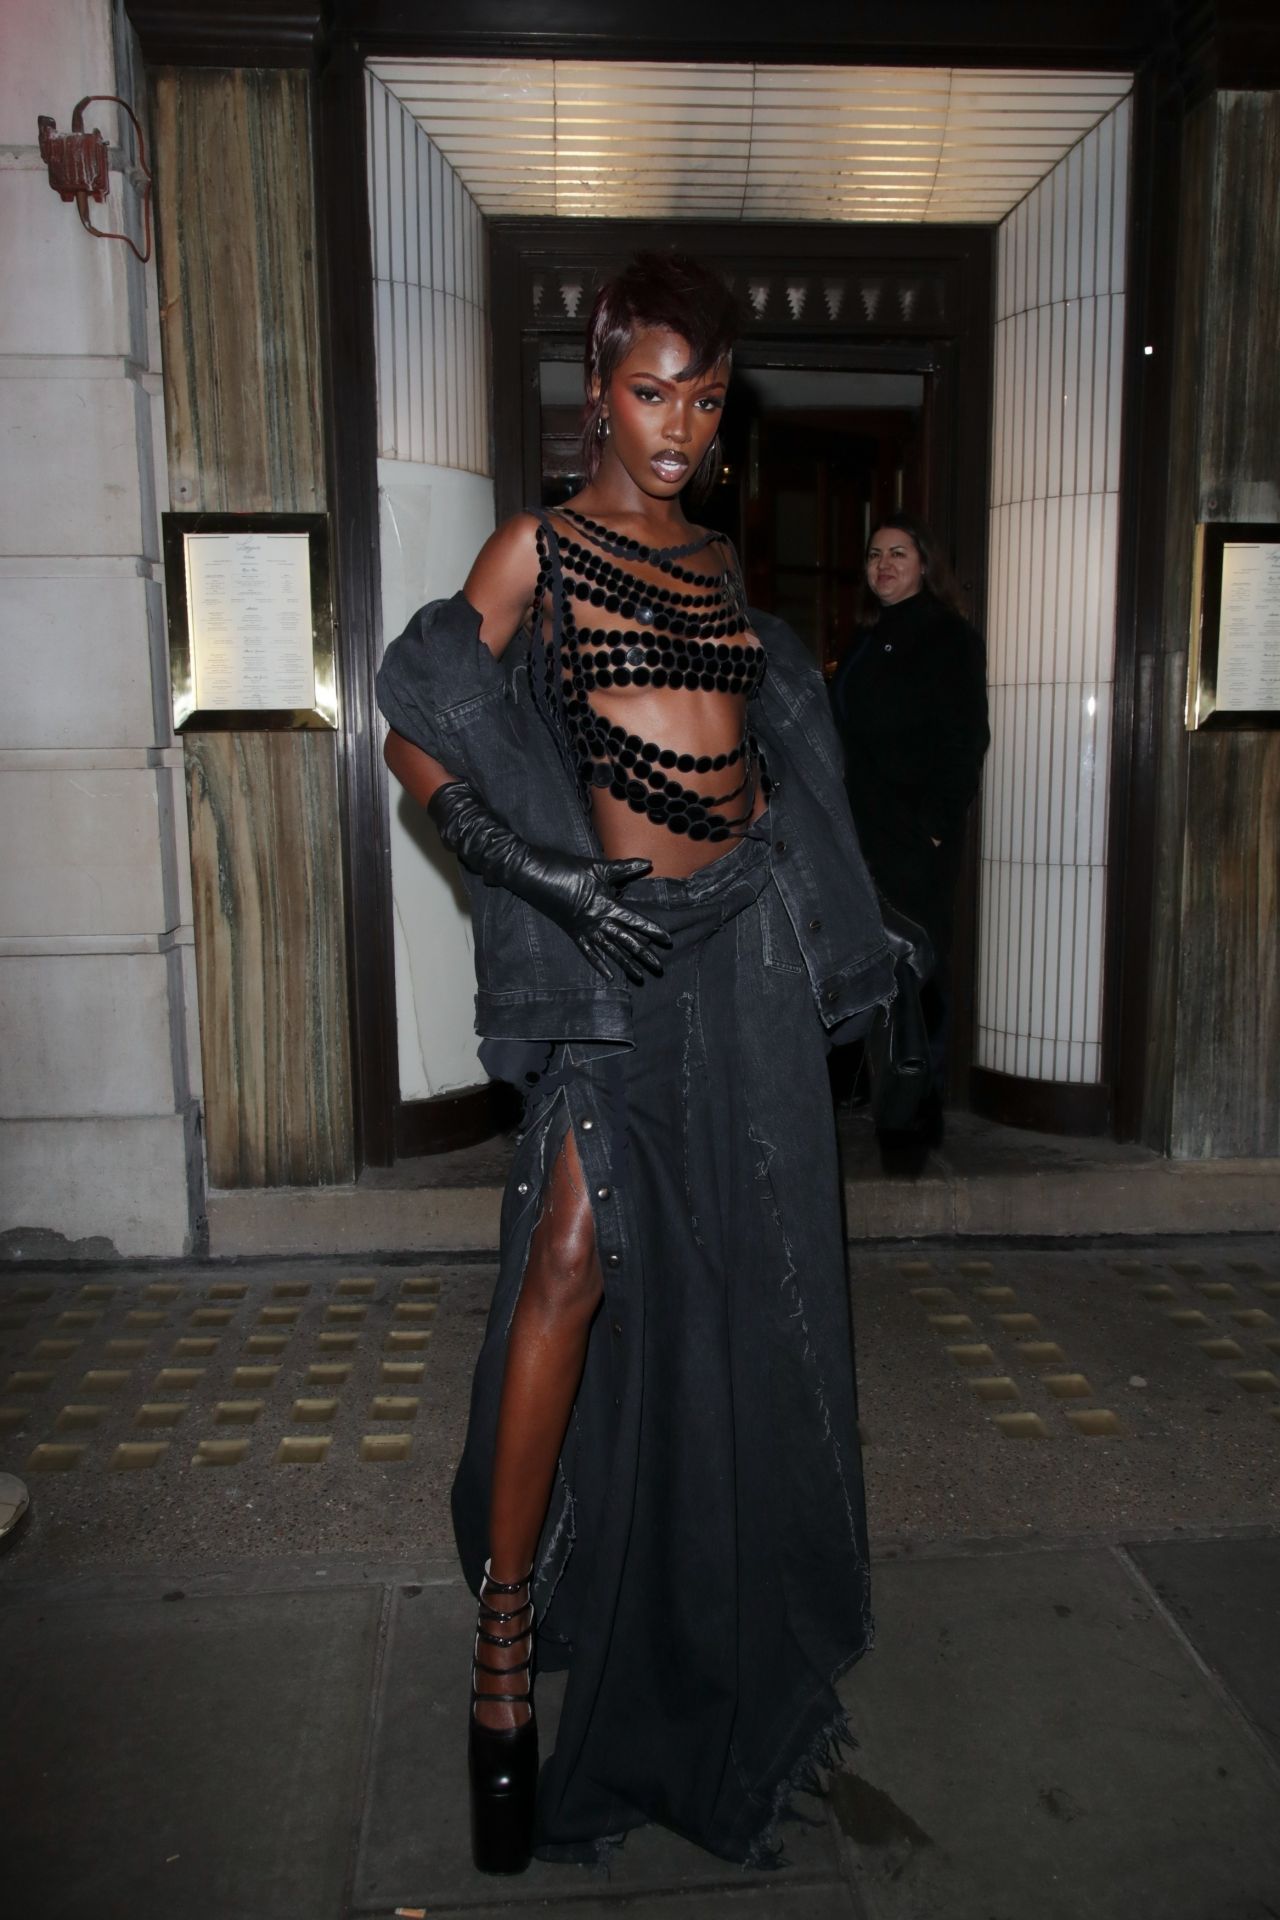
910	703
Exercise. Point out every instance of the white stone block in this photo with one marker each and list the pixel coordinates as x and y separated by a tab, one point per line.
81	853
69	466
123	1181
85	1036
53	56
66	291
76	662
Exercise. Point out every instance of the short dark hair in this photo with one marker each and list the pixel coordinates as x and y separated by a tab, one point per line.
938	577
656	290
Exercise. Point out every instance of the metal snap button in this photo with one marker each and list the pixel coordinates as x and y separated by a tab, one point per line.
888	646
779	846
815	926
523	1187
831	994
587	1125
615	1259
617	1327
602	1193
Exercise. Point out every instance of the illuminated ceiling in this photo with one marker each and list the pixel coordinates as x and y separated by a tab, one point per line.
741	142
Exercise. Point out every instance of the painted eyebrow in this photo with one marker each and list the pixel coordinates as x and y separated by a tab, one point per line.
658	381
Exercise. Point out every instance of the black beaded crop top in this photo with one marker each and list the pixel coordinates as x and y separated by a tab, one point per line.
598	622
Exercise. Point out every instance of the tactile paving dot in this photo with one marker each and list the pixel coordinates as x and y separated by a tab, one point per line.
405	1372
934	1296
328	1373
1271	1288
212	1317
1272	1346
1217	1289
196	1344
1220	1348
971	1354
1068	1386
1186	1266
131	1456
1128	1266
28	1382
1096	1422
79	1415
254	1376
998	1387
414	1309
913	1267
1257	1382
1020	1426
219	1453
992	1295
96	1292
308	1410
228	1290
974	1267
160	1413
1252	1317
77	1319
303	1450
1161	1292
422	1285
394	1406
291	1289
278	1316
146	1317
54	1349
105	1380
1189	1317
1041	1353
339	1342
376	1447
951	1323
266	1343
236	1413
11	1418
359	1289
178	1379
347	1313
162	1290
402	1341
127	1349
52	1457
1018	1322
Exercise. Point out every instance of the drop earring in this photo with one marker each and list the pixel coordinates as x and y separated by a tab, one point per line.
602	427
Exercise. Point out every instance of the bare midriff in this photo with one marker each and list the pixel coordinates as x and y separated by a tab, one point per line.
655	665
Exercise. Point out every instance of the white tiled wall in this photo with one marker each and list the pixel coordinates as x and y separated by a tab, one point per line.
1051	614
435	497
429	290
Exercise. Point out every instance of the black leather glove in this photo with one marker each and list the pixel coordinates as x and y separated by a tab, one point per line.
908	940
578	893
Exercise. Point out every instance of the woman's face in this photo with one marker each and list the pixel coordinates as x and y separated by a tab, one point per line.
659	425
894	568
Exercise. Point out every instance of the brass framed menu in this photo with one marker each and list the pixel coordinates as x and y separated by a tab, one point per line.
1233	677
250	621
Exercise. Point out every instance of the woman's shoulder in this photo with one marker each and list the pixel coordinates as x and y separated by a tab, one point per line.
503	579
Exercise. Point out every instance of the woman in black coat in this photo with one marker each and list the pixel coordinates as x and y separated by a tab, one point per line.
910	700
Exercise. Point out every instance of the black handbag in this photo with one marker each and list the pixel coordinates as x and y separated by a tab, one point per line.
897	1047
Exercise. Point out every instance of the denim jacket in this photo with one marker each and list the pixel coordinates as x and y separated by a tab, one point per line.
441	687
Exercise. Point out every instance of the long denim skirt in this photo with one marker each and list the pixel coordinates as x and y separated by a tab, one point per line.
703	1570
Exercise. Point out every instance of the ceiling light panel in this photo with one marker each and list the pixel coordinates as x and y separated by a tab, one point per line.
736	141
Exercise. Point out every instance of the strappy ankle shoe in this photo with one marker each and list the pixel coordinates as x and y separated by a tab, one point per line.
503	1761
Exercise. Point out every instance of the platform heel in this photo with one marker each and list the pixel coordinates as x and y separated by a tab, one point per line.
502	1762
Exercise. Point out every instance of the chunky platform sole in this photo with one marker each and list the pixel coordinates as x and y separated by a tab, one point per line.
503	1767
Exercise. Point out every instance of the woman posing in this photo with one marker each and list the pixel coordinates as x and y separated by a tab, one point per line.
910	700
661	1487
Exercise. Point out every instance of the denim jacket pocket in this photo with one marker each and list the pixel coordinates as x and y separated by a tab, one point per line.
779	945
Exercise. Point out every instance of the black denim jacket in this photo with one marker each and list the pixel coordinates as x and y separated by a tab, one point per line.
441	688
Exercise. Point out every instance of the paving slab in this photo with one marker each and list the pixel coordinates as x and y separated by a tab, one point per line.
200	1757
1226	1596
415	1844
1036	1739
